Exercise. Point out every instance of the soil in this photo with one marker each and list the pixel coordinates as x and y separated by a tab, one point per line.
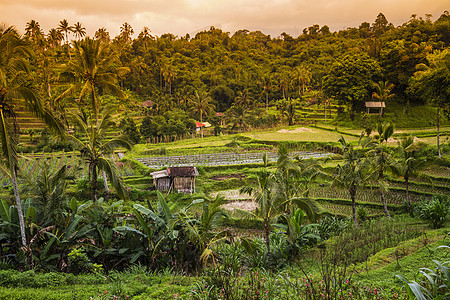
242	205
296	130
229	176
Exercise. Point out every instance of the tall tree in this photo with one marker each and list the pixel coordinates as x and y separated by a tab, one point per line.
65	28
15	84
54	37
103	35
432	82
33	31
302	75
201	105
408	163
79	30
352	174
349	79
93	70
382	159
96	149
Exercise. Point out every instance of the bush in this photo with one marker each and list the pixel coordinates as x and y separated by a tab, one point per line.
434	211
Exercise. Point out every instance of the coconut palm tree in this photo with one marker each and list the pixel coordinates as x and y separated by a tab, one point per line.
243	98
382	159
79	30
271	199
33	31
65	28
408	163
302	75
265	82
92	71
15	85
54	37
352	174
95	149
238	117
102	34
383	90
200	104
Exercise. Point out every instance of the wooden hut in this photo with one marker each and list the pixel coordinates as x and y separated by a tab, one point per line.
161	180
183	179
179	179
376	105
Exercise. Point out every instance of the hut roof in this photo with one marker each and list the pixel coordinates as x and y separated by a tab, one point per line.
375	104
160	174
182	171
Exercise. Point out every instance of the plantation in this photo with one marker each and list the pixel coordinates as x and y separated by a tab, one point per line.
301	192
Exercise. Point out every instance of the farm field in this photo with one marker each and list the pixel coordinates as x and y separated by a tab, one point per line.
224	165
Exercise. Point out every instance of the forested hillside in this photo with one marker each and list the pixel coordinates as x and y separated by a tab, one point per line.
251	69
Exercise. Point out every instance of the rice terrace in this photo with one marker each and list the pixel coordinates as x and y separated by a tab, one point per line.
226	163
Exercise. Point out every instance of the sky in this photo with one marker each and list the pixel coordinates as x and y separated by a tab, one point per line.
191	16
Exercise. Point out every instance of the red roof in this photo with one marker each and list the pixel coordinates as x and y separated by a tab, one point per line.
198	124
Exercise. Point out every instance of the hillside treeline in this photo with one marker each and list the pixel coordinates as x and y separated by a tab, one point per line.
250	68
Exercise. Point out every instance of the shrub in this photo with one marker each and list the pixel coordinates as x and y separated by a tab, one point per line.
434	211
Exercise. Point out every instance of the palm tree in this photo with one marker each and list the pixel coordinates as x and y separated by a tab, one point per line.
96	150
382	159
383	90
102	34
201	105
243	99
92	70
15	85
65	28
238	117
48	190
302	74
289	110
33	31
269	205
126	31
352	175
266	84
54	37
79	30
408	163
271	198
169	75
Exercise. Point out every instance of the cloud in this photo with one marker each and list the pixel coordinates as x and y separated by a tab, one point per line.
188	16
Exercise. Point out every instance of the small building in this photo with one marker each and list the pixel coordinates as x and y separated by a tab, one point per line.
179	179
183	179
378	106
161	180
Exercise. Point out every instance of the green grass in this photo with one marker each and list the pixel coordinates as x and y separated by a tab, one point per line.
309	134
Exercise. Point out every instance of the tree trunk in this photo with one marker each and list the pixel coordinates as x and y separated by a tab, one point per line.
201	123
266	235
383	199
94	183
19	209
105	182
437	138
407	195
267	102
325	110
353	197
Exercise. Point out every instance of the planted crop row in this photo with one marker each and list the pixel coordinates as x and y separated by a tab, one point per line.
366	195
346	210
218	159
